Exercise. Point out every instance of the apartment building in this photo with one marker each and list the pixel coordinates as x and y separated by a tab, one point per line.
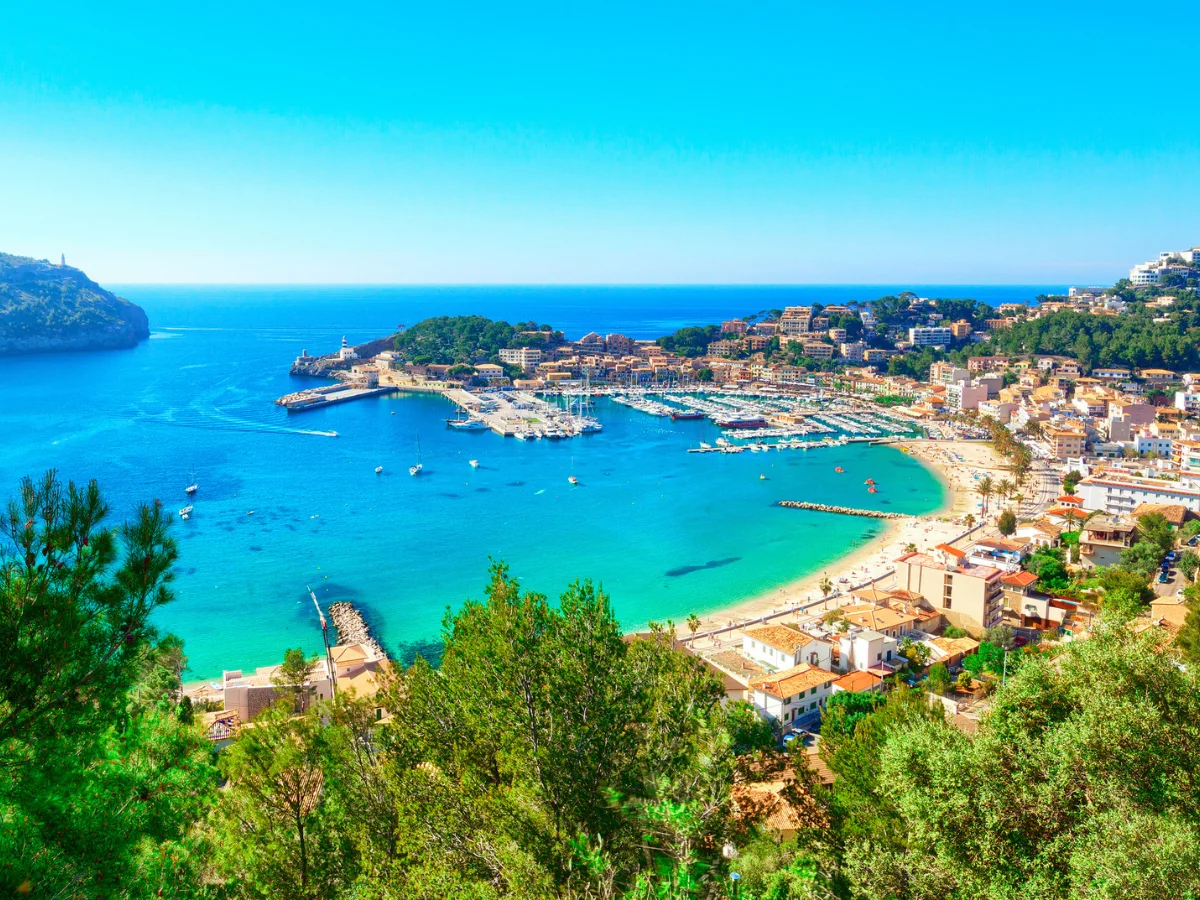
969	596
1120	494
935	336
525	357
1064	443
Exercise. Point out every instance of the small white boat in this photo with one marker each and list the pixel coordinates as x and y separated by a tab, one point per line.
573	480
185	513
191	489
416	470
473	463
379	470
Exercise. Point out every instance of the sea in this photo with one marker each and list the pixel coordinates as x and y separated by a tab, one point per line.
283	508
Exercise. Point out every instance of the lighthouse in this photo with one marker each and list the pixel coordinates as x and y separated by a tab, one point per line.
64	261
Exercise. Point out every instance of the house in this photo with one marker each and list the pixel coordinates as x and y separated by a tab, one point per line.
861	650
783	647
791	695
858	682
1102	541
950	651
1118	493
1175	513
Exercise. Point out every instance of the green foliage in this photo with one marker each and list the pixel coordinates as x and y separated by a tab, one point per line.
1070	787
1188	564
939	678
1132	340
43	306
747	729
101	780
953	631
1007	523
1116	578
547	753
1142	558
845	709
1000	635
1047	564
705	374
1155	528
465	340
988	658
692	341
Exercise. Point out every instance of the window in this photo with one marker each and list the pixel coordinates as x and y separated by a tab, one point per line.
813	691
889	654
812	707
878	657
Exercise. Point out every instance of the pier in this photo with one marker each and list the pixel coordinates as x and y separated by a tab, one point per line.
352	629
841	510
303	401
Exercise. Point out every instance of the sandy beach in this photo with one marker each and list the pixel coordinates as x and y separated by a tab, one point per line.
958	464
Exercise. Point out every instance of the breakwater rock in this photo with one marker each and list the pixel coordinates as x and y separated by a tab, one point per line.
841	510
352	628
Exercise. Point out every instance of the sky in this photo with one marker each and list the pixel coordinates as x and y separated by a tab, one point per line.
610	143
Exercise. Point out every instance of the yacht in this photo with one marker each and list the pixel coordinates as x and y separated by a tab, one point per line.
467	424
473	463
186	512
573	480
379	470
416	470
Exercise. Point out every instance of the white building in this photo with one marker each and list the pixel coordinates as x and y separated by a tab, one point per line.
937	336
525	357
1146	273
346	352
1188	401
862	648
792	695
781	647
1119	494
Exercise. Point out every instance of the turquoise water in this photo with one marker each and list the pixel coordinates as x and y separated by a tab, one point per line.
667	533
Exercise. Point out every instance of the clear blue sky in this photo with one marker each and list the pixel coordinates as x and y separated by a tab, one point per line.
602	143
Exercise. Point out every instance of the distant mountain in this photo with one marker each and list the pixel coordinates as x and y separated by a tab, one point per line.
46	308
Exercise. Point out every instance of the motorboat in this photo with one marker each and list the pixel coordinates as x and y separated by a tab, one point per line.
186	513
379	470
473	463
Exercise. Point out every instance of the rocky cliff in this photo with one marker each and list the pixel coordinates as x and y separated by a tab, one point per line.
46	308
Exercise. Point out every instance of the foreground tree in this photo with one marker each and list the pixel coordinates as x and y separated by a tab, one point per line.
100	781
548	757
1074	786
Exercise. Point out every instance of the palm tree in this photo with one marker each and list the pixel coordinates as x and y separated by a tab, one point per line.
693	624
910	547
1005	488
826	587
985	488
970	520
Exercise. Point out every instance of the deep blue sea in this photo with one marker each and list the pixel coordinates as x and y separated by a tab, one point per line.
665	532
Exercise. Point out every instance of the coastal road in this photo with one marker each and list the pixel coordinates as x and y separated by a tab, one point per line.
1044	486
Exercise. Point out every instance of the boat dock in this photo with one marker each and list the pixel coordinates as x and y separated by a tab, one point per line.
315	398
521	414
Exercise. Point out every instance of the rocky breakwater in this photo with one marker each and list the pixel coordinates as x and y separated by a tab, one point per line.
47	308
352	628
842	510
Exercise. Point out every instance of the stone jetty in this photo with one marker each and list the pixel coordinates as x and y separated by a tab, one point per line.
352	628
841	510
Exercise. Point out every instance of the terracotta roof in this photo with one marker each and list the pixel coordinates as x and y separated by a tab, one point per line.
951	646
953	551
875	617
789	640
348	654
1069	498
1175	513
1020	579
791	682
858	681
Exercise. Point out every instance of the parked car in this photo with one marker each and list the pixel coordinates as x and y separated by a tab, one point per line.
1164	577
1171	557
1194	541
1019	641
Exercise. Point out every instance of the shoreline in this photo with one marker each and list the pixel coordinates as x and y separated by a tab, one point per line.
954	463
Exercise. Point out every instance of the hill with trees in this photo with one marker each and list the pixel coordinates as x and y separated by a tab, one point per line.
46	308
466	340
